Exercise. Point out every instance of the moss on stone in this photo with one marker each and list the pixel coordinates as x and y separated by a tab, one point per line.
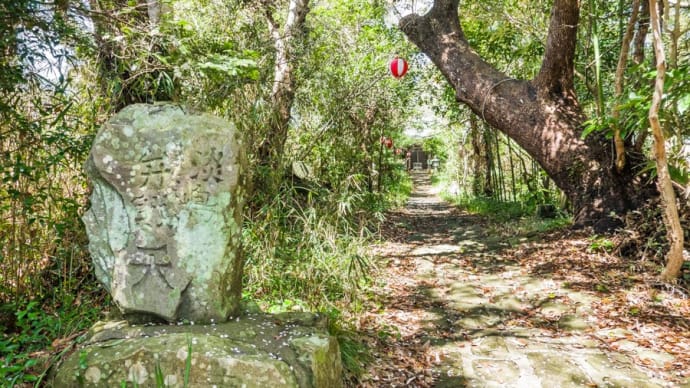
254	350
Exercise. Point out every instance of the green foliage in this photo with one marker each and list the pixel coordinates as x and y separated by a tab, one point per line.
212	57
306	250
228	66
355	355
633	122
435	146
600	244
304	238
46	281
43	142
513	44
187	364
82	367
511	218
158	375
35	36
496	211
33	331
398	189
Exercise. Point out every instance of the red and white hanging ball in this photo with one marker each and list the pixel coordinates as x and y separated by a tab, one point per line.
398	67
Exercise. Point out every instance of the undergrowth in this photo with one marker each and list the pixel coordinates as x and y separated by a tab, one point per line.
517	217
354	353
643	237
35	337
306	250
306	246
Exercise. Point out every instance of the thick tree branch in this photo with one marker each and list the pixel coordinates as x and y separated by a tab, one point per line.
442	18
541	115
501	101
556	73
283	42
477	83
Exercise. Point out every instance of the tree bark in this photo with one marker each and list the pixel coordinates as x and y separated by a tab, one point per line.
675	33
638	58
641	35
541	115
619	83
674	257
283	92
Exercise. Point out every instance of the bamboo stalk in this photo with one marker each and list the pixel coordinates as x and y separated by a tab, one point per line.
499	169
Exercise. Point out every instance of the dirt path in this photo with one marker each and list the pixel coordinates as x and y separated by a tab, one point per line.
455	307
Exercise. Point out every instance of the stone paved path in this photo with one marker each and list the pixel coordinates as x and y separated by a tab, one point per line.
479	320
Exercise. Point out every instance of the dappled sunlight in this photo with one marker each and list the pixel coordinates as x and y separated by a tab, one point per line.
438	249
457	307
556	136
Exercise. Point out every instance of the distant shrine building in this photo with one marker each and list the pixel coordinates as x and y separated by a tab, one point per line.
417	159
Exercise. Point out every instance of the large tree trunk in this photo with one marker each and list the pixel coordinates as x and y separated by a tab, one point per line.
541	115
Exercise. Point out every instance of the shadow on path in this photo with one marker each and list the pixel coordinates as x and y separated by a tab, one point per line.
453	310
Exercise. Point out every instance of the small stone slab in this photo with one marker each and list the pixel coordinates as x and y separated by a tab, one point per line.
252	351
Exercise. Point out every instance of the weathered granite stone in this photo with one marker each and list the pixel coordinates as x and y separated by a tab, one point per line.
164	224
252	351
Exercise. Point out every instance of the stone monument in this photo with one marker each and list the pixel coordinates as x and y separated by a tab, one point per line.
164	224
165	236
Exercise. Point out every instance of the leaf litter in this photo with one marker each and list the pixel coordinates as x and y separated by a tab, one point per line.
406	315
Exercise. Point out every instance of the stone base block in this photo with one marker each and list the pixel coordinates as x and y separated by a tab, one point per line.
285	350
